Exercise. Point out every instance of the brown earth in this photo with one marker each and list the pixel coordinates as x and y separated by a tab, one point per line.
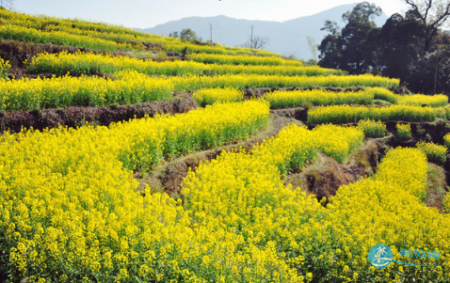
437	187
78	116
168	177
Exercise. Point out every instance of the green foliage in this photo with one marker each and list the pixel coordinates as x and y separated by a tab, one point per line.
372	128
349	114
4	68
350	48
317	97
435	152
383	93
188	34
446	204
447	140
407	47
404	131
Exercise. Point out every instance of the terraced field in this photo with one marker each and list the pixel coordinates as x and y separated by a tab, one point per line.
129	157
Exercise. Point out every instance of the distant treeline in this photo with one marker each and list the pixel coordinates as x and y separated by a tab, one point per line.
412	47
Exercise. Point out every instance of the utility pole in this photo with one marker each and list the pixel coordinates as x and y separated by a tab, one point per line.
251	39
210	30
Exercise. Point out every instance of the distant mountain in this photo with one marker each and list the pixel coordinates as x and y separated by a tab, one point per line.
286	38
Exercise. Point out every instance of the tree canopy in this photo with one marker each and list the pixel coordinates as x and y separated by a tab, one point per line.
410	47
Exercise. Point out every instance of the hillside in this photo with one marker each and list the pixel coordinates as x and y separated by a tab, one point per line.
131	157
286	38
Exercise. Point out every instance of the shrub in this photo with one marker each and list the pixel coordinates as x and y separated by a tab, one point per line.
221	95
447	140
435	152
4	68
372	128
404	131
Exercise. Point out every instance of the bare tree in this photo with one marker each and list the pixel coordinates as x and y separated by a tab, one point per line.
432	13
312	47
257	42
6	4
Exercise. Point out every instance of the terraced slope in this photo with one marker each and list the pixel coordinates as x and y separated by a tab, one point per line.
174	161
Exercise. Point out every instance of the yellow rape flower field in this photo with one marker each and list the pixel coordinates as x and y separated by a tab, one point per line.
76	204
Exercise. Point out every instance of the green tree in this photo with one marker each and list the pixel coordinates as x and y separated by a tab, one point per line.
351	48
188	34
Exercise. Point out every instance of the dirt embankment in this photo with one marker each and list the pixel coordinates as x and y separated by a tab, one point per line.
78	116
324	176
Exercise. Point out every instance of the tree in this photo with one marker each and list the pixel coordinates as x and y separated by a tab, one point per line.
399	46
432	14
313	48
351	48
174	34
6	4
257	42
188	34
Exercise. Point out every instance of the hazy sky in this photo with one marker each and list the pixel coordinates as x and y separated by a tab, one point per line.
148	13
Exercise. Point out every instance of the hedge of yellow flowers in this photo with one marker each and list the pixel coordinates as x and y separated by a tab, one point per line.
242	60
240	81
283	99
47	23
88	63
69	210
403	130
387	209
421	99
20	33
87	32
132	87
324	244
383	93
29	94
210	96
4	68
295	146
438	100
347	113
434	152
447	140
372	128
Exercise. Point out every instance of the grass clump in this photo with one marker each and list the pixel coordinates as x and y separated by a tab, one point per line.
4	68
435	152
447	140
372	128
446	204
218	95
404	131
